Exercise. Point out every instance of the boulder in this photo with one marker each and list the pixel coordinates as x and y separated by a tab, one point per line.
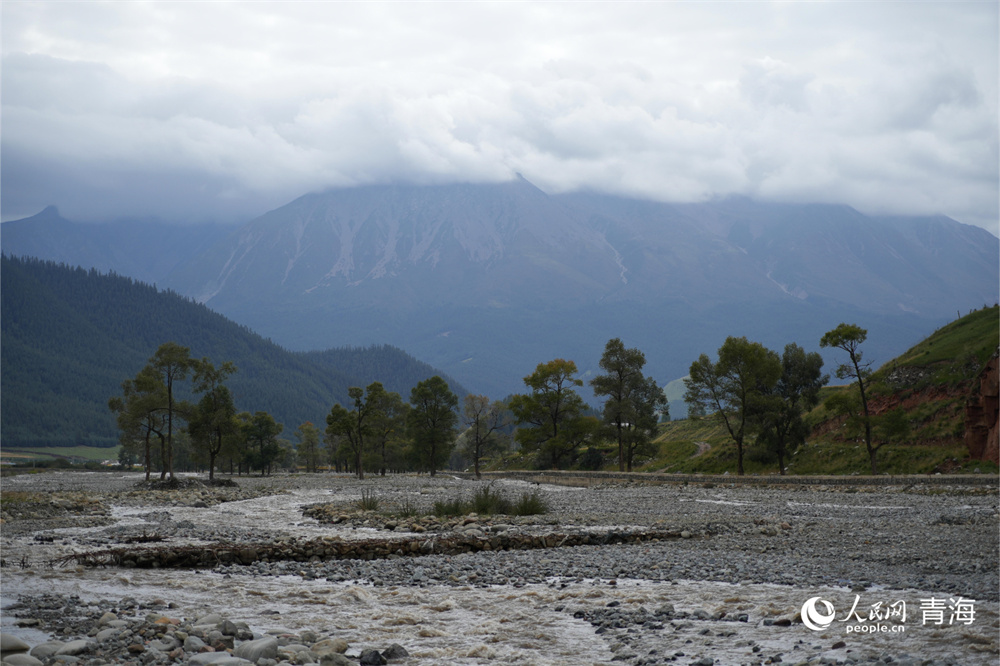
22	659
261	648
330	646
395	651
74	648
211	619
193	644
371	657
216	659
11	643
335	659
47	649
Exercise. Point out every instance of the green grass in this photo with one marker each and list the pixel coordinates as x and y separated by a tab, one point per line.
820	455
369	500
955	351
487	501
75	453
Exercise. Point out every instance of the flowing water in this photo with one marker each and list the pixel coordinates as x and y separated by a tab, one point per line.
529	624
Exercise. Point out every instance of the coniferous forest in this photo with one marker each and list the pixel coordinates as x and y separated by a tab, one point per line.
71	336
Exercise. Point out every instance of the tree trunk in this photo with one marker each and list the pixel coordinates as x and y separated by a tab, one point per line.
871	458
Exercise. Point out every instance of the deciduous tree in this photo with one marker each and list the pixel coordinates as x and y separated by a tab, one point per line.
431	422
261	433
734	387
849	338
354	424
139	414
781	425
388	427
308	448
549	417
633	402
483	420
171	362
213	419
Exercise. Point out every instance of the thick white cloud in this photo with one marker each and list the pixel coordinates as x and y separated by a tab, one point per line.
221	110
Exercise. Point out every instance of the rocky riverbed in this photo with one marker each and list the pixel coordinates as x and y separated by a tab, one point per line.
702	573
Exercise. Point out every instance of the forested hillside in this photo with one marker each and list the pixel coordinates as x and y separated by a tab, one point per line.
70	336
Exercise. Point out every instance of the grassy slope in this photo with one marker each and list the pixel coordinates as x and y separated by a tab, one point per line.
934	397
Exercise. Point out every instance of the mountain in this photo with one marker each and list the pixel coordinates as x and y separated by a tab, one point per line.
70	336
146	250
485	281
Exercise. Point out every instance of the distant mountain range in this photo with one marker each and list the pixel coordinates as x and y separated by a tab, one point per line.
485	281
71	336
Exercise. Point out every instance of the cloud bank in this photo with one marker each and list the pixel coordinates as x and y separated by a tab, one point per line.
198	111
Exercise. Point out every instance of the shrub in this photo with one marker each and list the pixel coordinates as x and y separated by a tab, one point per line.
530	504
488	501
406	508
450	508
369	501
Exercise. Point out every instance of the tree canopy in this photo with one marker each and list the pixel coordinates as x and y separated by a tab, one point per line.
735	387
633	402
431	422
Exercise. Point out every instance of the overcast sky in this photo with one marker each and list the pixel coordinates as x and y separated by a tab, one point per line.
197	111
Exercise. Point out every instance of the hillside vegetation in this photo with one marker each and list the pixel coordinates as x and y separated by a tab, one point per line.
71	336
931	381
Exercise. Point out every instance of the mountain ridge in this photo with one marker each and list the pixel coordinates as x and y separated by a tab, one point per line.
70	337
486	281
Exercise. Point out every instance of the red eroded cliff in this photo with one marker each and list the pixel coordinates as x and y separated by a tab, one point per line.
982	415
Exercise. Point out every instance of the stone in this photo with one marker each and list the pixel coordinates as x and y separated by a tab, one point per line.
261	648
335	659
106	634
47	649
330	646
193	644
395	651
685	534
74	648
217	659
11	643
228	628
22	659
165	644
106	618
371	657
211	619
665	609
